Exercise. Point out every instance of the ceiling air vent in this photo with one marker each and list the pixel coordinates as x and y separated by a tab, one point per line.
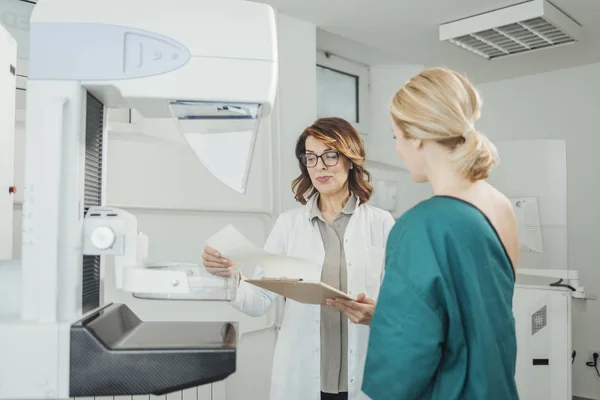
522	28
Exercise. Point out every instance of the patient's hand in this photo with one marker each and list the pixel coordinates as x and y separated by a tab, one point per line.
216	264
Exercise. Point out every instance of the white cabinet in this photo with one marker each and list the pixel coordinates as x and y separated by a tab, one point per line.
543	327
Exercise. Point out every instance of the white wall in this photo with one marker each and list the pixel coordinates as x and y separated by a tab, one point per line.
555	105
537	168
179	204
350	49
8	55
383	162
297	96
562	105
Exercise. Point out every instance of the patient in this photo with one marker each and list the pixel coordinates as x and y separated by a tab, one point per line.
443	326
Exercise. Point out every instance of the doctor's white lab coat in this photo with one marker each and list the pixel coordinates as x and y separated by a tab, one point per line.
297	359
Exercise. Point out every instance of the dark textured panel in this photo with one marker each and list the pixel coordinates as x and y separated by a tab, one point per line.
113	353
94	127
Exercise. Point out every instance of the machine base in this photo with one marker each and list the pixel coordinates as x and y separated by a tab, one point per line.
114	353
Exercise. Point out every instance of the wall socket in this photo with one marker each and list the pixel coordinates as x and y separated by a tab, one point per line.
591	355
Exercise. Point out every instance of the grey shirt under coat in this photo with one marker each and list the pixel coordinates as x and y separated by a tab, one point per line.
334	324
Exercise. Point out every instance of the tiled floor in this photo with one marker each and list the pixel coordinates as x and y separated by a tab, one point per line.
205	392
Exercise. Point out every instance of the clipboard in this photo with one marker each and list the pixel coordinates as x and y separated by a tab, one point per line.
299	290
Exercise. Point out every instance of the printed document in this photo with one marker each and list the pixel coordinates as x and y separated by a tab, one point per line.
234	246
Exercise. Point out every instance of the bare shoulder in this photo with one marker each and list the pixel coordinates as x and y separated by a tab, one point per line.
506	224
498	208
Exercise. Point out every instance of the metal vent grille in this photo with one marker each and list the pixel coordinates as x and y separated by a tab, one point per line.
533	34
528	26
92	195
539	320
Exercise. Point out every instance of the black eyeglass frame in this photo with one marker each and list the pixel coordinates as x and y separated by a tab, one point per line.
304	160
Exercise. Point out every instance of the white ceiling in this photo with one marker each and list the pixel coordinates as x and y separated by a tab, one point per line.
407	31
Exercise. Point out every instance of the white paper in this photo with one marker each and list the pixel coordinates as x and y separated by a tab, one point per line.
234	246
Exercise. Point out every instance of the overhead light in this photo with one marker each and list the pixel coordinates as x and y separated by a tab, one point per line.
522	28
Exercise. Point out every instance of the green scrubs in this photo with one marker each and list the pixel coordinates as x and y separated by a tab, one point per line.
443	327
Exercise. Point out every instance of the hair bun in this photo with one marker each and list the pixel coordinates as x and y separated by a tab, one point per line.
476	156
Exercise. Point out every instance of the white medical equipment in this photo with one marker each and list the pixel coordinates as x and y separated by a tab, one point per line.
543	312
210	65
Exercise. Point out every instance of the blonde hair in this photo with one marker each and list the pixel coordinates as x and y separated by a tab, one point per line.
442	105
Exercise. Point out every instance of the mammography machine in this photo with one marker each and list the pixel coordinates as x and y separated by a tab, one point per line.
211	66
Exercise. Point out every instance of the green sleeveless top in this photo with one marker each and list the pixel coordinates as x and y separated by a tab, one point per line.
443	327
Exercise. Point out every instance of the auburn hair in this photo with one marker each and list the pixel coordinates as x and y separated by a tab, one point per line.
339	135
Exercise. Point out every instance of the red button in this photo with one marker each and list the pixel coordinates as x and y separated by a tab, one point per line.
12	190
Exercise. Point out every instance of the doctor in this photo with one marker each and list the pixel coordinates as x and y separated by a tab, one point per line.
320	350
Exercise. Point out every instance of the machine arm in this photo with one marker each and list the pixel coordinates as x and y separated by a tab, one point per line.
566	278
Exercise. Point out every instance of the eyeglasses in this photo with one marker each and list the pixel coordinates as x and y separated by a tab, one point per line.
329	158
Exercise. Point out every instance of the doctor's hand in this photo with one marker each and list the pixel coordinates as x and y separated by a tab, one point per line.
359	311
215	263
